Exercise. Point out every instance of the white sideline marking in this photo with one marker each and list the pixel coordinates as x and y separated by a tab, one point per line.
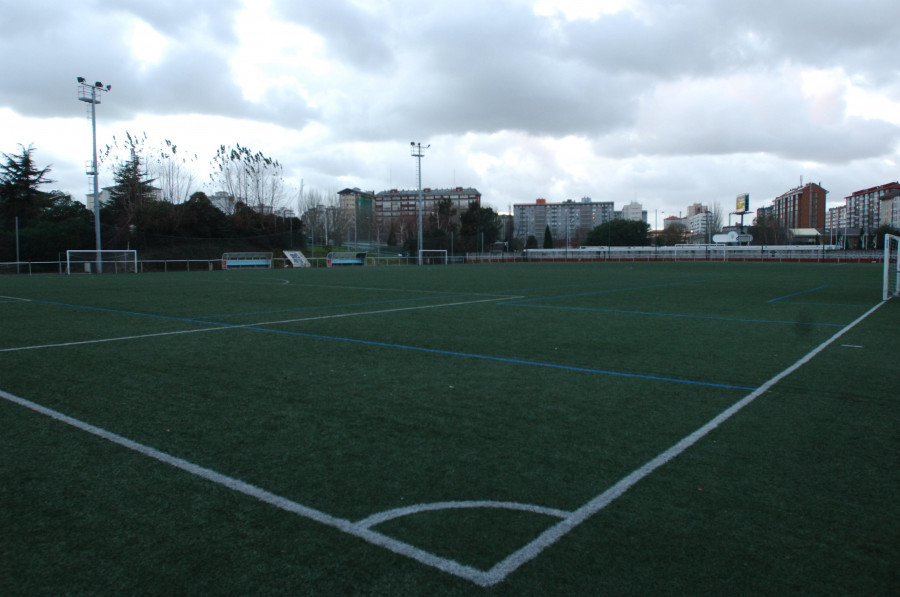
247	325
355	529
395	310
512	562
361	529
101	340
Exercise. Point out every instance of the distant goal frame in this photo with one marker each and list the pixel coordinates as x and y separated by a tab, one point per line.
100	259
427	257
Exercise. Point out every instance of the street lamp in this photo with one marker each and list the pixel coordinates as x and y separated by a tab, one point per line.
90	93
417	151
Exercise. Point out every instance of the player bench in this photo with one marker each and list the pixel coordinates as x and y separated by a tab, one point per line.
246	260
348	258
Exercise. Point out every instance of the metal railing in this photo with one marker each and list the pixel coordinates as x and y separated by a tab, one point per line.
766	254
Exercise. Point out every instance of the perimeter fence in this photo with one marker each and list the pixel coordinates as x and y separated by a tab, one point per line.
600	254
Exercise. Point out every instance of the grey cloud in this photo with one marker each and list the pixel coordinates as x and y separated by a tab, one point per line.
350	33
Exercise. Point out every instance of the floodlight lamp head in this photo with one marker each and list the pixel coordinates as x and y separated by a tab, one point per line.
108	87
412	143
81	79
98	84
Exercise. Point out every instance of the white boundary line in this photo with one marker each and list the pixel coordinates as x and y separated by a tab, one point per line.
229	326
508	565
355	529
512	562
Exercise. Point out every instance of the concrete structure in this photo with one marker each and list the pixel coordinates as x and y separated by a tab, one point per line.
357	211
699	226
397	204
890	211
801	207
634	211
864	207
567	220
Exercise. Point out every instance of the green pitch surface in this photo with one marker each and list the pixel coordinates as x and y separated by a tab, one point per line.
527	429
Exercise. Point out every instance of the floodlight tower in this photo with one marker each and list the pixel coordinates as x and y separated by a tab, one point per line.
418	152
90	93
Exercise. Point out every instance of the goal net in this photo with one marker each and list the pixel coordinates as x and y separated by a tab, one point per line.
433	257
101	262
891	267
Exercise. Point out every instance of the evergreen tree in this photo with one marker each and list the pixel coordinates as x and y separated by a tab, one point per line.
620	233
130	201
548	238
479	227
19	182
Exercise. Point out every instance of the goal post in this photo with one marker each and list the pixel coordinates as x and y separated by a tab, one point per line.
106	261
433	256
891	286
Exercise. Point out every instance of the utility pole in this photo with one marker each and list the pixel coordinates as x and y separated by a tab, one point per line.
417	151
91	94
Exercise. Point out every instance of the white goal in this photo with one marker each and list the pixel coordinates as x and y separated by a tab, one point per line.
101	262
433	256
891	267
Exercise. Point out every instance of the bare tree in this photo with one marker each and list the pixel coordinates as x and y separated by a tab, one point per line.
173	172
248	177
311	204
716	219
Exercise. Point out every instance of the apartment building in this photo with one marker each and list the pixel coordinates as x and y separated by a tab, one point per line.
398	204
801	207
567	220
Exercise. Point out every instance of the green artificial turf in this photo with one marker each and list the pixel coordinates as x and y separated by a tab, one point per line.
363	390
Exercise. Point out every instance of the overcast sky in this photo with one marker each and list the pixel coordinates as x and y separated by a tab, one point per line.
665	102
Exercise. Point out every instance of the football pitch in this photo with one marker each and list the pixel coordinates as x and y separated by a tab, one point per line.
507	429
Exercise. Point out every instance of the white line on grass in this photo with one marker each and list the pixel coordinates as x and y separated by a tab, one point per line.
101	340
512	562
355	529
361	529
232	326
381	517
395	310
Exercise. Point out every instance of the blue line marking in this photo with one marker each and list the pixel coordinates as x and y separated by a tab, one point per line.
611	290
686	316
501	359
412	348
797	294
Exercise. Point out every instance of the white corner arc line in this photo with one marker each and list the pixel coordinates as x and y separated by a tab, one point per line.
512	562
387	515
399	547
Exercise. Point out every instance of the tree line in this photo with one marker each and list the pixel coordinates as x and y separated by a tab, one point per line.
150	207
154	214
